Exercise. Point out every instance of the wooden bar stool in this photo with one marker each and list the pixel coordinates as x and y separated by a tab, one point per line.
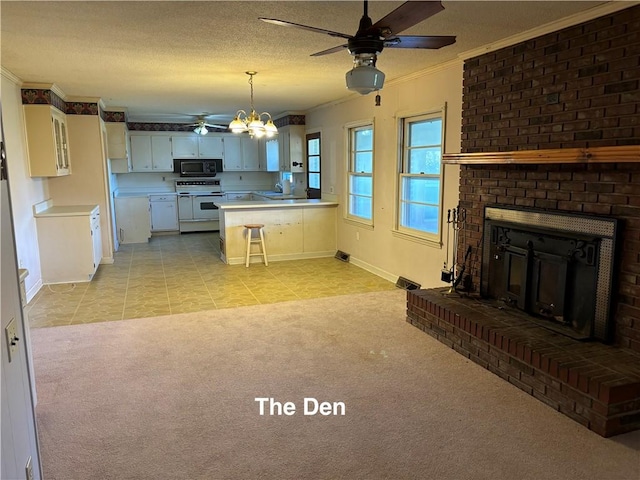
259	240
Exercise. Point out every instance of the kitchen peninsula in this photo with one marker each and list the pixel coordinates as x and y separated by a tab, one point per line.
293	229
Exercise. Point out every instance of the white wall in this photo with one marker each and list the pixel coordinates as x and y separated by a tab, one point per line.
377	248
25	191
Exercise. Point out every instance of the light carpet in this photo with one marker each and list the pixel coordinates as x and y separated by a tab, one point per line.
173	397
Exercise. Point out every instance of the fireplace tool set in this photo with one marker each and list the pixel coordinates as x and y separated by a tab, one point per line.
456	220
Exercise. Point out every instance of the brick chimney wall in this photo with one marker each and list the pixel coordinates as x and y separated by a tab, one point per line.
577	87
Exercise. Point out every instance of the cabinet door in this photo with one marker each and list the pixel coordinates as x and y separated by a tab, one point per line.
164	216
47	141
296	148
210	147
162	160
132	219
232	154
283	151
96	235
184	147
272	156
250	154
141	159
117	137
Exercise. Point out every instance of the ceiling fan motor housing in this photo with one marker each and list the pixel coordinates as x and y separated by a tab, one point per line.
357	45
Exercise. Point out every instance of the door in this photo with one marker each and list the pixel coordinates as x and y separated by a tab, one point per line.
19	435
204	207
313	165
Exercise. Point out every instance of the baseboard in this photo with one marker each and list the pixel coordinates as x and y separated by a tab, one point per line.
375	270
34	290
282	257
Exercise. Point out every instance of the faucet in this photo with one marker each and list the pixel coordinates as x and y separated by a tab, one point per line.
278	187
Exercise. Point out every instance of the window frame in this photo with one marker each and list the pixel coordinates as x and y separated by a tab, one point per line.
404	122
350	131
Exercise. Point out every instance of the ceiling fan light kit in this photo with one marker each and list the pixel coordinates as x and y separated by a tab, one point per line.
253	122
371	38
201	130
364	77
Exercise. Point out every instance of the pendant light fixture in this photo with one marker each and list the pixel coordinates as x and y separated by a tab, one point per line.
253	122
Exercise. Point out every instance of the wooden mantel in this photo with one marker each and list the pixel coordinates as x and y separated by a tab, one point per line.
615	154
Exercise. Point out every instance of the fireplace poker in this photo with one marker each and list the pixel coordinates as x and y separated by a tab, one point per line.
446	275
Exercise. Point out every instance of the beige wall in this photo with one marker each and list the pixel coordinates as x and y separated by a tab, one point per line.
86	184
25	191
377	248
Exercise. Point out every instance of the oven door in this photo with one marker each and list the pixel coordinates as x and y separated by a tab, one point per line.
204	207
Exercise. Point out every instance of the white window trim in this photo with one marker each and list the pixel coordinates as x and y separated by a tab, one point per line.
399	231
353	219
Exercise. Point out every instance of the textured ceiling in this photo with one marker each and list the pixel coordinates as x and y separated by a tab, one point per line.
158	58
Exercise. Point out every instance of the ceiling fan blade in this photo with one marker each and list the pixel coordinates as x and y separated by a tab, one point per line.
417	41
216	126
406	15
339	48
284	23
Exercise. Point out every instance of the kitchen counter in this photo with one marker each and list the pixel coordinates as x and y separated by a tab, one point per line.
47	209
271	195
293	229
271	204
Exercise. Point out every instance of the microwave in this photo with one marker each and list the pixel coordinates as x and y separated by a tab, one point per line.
197	168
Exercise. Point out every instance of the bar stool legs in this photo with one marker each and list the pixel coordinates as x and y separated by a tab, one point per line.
259	240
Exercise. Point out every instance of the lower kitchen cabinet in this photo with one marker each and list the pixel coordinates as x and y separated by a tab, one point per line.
164	213
69	242
132	219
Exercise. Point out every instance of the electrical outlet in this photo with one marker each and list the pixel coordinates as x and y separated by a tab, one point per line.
357	235
331	189
12	339
29	469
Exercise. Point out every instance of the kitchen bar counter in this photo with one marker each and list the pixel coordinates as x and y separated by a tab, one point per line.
293	229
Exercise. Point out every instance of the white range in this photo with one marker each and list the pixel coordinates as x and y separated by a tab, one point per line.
197	211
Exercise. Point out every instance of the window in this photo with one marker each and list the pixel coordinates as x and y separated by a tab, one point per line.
313	165
420	180
360	175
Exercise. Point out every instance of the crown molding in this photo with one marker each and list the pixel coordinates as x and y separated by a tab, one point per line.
11	76
570	21
46	86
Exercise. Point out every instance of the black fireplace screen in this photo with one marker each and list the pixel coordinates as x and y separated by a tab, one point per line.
556	267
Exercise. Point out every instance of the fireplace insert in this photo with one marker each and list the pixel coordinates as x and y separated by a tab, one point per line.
556	267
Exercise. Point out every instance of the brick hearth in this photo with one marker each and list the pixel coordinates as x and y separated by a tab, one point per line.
594	384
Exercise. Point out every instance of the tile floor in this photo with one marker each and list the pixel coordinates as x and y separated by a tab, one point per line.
183	273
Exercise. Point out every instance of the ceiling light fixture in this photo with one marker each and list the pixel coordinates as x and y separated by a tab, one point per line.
201	129
364	77
253	123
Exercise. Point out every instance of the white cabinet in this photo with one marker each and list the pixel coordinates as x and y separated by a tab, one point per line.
151	153
241	153
208	147
239	196
118	147
164	213
47	141
132	219
291	148
69	242
271	155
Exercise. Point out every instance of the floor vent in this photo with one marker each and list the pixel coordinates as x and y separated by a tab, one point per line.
407	284
340	255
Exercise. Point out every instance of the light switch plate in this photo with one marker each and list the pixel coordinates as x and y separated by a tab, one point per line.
12	339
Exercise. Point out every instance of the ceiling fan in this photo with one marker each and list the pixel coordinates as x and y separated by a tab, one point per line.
371	38
201	125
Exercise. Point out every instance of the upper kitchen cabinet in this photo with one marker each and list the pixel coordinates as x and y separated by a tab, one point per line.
47	141
118	147
241	153
151	153
291	148
186	147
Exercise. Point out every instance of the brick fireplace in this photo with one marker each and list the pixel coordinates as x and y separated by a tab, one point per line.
552	125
